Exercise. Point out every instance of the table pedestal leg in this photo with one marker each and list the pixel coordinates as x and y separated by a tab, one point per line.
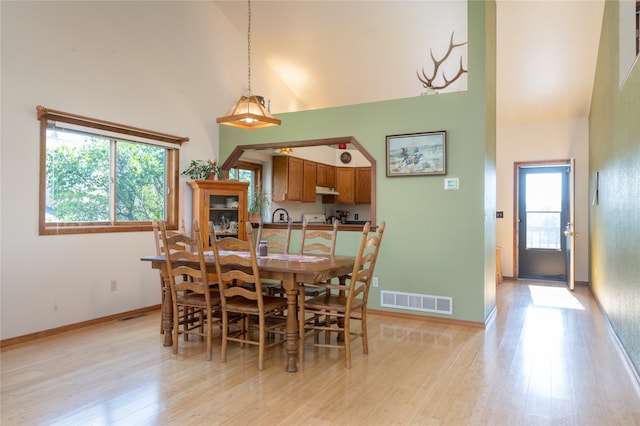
292	325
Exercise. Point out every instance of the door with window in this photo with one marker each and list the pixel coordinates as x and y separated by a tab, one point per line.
543	213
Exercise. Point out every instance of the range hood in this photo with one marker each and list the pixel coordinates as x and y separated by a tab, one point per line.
323	190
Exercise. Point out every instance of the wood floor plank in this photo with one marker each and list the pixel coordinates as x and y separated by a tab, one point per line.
547	359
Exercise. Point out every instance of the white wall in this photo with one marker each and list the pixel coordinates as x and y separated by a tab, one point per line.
539	142
172	67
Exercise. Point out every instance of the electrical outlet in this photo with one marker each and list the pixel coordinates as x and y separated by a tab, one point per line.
374	282
114	285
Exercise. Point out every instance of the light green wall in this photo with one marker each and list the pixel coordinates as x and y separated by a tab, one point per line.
490	192
614	152
437	242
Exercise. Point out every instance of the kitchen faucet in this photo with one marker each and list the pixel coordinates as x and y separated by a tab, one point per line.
282	219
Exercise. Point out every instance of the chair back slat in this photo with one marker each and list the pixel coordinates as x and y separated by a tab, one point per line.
182	247
363	268
278	240
238	273
158	238
314	241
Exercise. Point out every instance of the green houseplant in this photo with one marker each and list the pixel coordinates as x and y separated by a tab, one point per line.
203	170
258	203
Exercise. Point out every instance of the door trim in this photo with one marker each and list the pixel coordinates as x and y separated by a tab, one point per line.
516	166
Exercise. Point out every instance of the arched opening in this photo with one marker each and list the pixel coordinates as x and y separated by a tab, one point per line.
324	152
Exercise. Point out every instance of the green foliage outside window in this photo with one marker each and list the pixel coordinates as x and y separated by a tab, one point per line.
79	179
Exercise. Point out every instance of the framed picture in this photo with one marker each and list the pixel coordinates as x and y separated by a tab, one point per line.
417	154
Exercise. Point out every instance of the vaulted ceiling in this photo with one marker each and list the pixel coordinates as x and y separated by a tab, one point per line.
332	53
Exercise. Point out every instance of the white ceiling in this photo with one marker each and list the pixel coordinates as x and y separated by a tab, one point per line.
333	53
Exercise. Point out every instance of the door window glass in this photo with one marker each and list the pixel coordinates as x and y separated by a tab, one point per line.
544	211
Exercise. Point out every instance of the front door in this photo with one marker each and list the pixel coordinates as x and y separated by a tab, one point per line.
543	212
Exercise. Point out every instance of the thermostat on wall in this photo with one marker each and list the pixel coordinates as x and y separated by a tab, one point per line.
451	183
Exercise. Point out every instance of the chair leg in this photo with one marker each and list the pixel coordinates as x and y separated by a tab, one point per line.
209	332
365	342
262	343
176	328
347	342
327	332
341	336
225	333
244	330
202	323
163	299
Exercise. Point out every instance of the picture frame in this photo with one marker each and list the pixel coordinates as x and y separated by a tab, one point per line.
417	154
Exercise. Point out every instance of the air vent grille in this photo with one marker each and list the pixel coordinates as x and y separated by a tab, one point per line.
417	302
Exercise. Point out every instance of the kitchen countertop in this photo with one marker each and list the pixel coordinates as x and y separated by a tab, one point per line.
349	226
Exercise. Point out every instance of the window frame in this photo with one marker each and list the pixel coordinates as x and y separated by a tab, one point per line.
172	143
256	168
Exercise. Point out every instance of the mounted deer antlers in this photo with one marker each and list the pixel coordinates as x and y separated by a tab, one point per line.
428	82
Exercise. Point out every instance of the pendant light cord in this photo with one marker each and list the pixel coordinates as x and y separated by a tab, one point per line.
249	48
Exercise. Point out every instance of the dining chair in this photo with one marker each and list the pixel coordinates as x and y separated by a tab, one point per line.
190	287
349	304
278	241
313	241
316	241
164	278
242	295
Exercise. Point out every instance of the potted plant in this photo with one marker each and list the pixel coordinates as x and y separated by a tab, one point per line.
203	170
258	204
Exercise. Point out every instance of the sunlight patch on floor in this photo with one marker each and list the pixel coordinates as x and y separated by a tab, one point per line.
553	297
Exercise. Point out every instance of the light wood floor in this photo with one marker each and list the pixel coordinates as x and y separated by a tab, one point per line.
548	359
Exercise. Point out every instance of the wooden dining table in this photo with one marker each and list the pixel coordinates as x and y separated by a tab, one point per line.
290	269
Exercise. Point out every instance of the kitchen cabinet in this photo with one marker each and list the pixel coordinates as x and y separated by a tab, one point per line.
331	176
362	185
221	204
293	179
309	181
353	185
287	183
345	185
326	175
321	174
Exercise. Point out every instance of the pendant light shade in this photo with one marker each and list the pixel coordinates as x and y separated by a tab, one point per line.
249	112
284	151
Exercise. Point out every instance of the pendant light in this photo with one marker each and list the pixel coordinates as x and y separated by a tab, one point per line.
284	151
249	112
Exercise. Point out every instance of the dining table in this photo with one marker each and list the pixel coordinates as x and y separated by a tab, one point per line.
290	269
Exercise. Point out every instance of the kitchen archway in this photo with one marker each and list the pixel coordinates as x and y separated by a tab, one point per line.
349	141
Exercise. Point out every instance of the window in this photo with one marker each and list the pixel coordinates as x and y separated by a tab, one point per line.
245	171
98	176
544	211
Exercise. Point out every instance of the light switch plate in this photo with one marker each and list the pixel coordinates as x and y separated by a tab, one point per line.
451	183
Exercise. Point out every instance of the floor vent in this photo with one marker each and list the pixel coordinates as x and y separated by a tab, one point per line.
417	302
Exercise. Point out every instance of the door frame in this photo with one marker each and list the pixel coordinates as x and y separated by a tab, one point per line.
516	194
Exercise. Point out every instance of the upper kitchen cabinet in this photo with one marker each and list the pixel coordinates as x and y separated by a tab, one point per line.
287	179
325	175
362	185
293	179
309	181
353	185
